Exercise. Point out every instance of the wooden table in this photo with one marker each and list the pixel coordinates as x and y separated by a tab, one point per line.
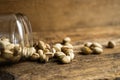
105	66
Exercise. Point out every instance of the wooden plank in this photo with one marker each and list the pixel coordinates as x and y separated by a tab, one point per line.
84	67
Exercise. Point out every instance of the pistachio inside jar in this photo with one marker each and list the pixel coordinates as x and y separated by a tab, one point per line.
15	35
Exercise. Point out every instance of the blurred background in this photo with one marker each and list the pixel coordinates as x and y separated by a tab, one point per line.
51	15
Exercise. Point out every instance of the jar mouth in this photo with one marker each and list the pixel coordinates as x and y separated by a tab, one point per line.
24	30
17	28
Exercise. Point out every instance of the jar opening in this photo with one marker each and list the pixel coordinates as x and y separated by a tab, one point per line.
17	28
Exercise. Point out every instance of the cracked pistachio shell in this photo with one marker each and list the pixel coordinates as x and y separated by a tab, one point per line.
66	40
95	44
58	54
111	44
86	50
7	54
97	50
88	44
57	47
66	59
34	56
41	45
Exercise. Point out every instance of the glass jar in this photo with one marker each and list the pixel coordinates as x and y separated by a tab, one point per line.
17	28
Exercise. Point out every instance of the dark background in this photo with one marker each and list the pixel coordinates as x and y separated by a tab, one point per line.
63	14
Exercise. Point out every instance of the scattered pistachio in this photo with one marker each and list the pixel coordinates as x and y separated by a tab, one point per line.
7	54
111	44
97	50
24	52
49	54
17	50
3	44
66	59
10	46
48	46
44	58
53	50
68	45
66	40
58	54
5	39
86	50
31	51
64	49
57	47
88	44
95	44
72	55
41	45
40	52
67	50
16	59
46	50
34	56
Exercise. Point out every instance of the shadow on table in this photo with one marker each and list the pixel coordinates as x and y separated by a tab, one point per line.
6	76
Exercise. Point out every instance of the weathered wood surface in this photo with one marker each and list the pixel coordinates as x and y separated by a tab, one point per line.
84	67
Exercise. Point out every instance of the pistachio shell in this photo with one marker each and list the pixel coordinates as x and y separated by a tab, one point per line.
17	50
58	54
10	46
88	44
48	46
49	54
30	51
86	50
111	44
46	50
4	39
3	44
41	45
95	44
7	54
40	52
66	50
97	50
68	45
16	59
67	40
72	55
53	50
34	56
66	59
43	58
57	47
24	52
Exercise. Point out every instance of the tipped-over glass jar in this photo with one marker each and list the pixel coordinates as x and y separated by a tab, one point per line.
17	28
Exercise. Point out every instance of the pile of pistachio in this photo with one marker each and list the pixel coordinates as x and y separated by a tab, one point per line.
40	51
64	51
43	52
